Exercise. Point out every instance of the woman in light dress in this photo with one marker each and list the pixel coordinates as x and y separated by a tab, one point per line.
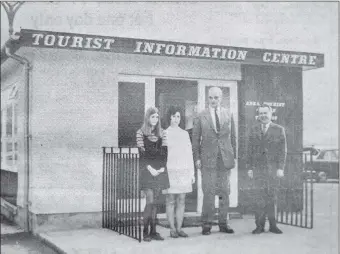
180	167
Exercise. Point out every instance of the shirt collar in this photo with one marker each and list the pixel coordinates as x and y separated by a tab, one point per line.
213	109
267	124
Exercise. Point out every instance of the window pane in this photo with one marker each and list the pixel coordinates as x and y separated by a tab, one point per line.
9	147
2	121
16	146
9	159
15	119
9	122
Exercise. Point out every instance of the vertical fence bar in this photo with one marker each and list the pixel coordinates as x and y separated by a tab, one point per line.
135	196
312	199
129	195
125	191
120	190
116	190
103	186
109	192
139	206
106	190
112	188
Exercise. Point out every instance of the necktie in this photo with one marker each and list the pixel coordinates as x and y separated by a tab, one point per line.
217	121
264	129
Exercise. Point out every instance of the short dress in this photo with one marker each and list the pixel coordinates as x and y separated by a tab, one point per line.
155	155
180	163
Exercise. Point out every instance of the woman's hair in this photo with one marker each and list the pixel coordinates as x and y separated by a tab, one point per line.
172	111
146	127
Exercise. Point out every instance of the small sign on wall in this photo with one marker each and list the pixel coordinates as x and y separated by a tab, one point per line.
274	105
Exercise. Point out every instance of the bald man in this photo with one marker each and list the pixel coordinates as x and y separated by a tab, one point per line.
214	148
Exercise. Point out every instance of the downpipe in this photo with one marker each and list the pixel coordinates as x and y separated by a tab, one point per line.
27	67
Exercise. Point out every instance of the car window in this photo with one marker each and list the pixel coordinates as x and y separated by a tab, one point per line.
321	155
331	155
334	155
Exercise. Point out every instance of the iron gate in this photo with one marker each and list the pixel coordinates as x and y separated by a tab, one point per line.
121	204
294	204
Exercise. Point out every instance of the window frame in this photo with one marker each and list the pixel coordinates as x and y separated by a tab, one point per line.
11	139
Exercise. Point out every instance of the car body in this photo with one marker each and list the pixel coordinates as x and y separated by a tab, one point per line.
322	163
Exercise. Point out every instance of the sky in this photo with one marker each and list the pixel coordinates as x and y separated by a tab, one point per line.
297	26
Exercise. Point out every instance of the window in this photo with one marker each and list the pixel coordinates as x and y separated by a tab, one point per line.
9	134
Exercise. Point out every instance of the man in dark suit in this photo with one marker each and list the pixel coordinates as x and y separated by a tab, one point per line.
267	151
214	148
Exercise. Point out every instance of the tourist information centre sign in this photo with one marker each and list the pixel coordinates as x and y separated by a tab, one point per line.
47	39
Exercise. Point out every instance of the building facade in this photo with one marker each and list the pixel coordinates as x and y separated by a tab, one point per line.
78	93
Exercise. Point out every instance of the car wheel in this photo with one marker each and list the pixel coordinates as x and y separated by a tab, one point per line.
322	176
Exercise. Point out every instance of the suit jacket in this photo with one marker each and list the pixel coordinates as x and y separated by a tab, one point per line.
267	152
207	143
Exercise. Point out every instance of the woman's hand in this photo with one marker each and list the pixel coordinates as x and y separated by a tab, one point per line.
161	170
153	171
193	180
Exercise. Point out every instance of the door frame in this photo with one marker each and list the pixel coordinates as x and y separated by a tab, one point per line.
149	83
150	90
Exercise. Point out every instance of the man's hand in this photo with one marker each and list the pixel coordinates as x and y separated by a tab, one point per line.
250	174
280	173
198	164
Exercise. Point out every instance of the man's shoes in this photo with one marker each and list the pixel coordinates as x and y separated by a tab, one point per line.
156	236
258	230
206	231
226	229
275	230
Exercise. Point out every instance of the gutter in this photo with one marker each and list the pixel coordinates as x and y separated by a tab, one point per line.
27	67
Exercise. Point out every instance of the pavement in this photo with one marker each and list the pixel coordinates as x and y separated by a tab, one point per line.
15	241
322	239
9	228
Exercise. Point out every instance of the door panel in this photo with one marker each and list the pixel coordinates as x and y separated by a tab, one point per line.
130	112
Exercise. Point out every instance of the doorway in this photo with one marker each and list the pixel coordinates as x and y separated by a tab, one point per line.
184	94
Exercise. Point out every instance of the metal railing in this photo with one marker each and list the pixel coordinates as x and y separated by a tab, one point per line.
121	204
295	206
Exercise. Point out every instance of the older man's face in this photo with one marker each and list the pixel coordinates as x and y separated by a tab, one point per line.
215	97
265	115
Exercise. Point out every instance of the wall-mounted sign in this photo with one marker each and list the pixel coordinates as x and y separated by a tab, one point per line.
46	39
273	105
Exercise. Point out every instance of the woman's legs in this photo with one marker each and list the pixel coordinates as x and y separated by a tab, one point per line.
180	208
153	233
147	214
170	211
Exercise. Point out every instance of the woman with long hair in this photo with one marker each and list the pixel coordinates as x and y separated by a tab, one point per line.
180	165
151	143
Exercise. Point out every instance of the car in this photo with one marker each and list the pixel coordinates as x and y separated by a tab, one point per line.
322	163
